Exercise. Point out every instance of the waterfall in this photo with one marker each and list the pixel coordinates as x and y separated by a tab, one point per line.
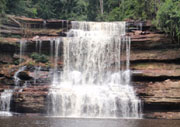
22	48
16	78
40	46
51	49
96	80
37	74
38	49
56	75
5	98
5	101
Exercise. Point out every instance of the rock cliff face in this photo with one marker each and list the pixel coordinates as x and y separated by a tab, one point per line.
155	62
155	65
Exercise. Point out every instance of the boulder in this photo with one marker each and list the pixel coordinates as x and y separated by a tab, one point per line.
24	75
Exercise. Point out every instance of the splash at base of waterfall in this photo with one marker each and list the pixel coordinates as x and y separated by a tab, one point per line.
5	100
93	101
5	113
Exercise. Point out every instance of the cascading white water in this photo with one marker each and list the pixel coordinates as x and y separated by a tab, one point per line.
56	57
51	48
22	48
95	81
37	68
6	99
38	45
16	78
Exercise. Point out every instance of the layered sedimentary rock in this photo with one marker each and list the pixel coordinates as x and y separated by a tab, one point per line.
30	100
155	61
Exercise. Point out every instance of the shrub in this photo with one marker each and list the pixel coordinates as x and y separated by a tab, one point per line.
39	57
168	18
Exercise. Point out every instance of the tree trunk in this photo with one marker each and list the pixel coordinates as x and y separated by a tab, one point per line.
101	6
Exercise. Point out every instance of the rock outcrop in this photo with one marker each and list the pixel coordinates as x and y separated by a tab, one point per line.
156	66
31	100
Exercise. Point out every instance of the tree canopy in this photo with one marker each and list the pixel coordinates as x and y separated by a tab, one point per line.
107	10
165	13
168	18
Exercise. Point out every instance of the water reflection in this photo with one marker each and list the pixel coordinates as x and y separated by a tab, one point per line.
34	121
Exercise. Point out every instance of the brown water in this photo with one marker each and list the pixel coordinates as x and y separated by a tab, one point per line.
34	121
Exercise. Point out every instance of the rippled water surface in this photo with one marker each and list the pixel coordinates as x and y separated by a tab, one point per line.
34	121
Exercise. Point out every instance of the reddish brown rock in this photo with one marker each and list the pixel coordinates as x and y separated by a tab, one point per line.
31	100
156	59
160	96
163	115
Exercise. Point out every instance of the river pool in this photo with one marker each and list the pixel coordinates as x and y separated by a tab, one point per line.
41	121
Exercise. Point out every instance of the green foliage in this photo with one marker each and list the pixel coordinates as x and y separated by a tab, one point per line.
92	11
131	9
168	18
31	64
2	6
21	8
39	58
17	62
166	13
115	14
82	9
46	8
